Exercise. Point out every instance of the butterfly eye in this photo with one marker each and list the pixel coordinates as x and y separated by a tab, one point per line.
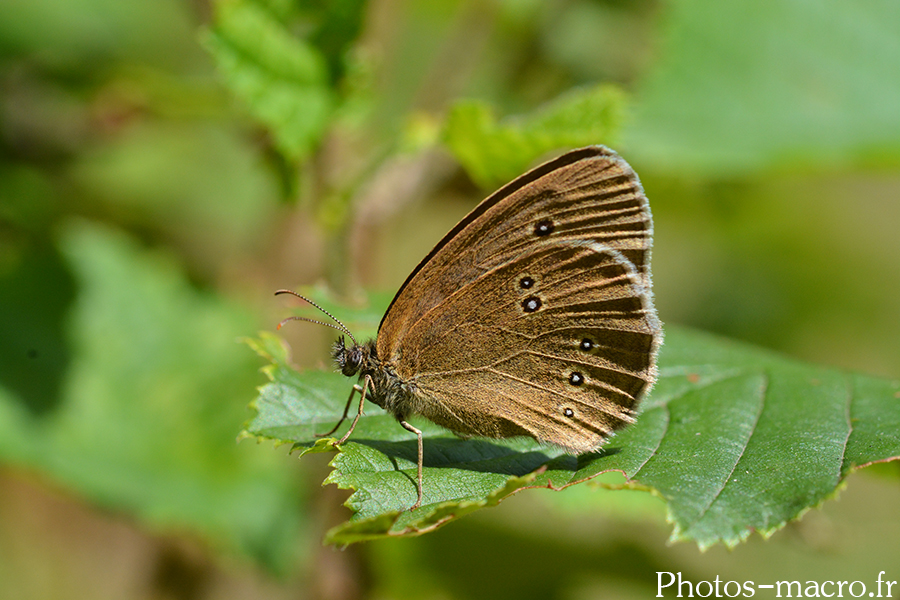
543	228
526	283
576	378
350	361
531	304
586	345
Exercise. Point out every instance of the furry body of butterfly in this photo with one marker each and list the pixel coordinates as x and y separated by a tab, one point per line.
532	317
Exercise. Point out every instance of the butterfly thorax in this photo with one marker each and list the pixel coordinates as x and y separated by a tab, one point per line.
386	389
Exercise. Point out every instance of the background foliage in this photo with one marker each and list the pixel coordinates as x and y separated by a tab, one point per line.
166	164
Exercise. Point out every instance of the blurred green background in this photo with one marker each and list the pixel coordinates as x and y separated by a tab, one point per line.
147	215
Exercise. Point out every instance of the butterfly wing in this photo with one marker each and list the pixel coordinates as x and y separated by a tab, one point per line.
587	194
563	358
531	317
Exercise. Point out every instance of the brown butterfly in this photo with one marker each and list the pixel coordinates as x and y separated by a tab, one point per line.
532	317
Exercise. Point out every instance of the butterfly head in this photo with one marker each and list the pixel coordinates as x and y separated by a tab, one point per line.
349	359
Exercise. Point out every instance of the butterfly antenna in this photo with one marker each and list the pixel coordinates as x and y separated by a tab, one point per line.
332	325
340	326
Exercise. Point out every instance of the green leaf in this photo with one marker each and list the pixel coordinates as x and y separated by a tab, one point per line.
743	87
336	25
282	79
734	438
145	420
494	153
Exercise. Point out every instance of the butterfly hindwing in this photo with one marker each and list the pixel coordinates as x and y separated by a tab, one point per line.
556	343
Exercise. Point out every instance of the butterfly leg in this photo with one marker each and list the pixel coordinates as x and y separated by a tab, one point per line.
418	433
362	400
343	418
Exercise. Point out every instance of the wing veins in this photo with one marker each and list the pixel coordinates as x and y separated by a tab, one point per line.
551	392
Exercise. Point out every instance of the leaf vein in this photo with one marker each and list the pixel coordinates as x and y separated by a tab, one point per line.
740	456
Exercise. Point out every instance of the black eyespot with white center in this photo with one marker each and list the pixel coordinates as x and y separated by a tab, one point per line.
576	378
586	345
526	283
543	228
531	304
568	412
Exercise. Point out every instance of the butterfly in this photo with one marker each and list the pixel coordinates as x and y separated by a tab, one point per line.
532	317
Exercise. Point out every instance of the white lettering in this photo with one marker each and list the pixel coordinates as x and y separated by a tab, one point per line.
659	583
859	594
789	584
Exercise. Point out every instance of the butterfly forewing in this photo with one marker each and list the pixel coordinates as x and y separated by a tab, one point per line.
589	194
596	200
